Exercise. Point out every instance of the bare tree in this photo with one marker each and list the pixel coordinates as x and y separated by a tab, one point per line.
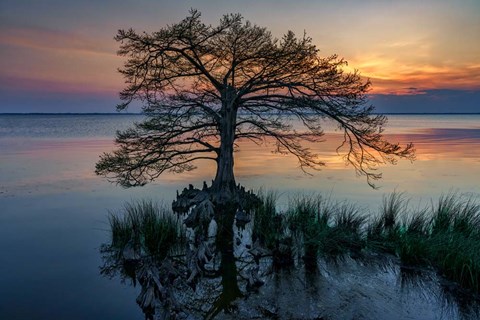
203	88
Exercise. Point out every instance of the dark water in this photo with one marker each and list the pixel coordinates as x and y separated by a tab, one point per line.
53	208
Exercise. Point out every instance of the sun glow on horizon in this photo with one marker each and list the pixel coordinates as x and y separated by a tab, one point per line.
391	76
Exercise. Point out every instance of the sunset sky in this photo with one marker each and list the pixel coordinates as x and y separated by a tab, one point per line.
421	56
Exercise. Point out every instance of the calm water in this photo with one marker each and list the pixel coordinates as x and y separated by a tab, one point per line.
53	208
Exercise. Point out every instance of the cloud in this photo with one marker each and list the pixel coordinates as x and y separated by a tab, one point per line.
406	48
48	39
40	58
389	77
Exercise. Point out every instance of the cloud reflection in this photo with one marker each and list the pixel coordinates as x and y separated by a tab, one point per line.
447	157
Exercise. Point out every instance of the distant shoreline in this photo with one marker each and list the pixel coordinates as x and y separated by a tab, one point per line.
140	113
69	113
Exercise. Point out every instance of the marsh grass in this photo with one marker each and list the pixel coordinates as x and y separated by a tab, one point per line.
147	229
454	242
270	230
308	219
444	236
324	228
268	226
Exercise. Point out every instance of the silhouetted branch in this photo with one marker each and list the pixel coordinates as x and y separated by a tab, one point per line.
204	87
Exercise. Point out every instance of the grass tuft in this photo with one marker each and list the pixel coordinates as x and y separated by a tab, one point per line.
308	219
445	236
267	224
147	229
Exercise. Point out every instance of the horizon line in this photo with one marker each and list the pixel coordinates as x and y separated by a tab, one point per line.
141	113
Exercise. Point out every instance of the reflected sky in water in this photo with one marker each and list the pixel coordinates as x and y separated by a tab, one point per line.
53	208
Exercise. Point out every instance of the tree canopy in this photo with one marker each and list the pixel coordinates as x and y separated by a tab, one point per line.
205	87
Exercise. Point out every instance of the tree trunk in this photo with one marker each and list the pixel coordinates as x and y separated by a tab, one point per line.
224	182
224	178
228	267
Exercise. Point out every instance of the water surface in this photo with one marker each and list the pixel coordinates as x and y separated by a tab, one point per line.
53	208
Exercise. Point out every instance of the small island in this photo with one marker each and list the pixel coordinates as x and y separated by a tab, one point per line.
206	88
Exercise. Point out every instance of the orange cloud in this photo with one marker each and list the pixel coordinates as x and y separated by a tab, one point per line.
424	58
389	78
45	60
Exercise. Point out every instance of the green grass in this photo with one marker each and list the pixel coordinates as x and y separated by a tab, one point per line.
268	226
147	228
270	230
308	219
445	236
324	228
455	240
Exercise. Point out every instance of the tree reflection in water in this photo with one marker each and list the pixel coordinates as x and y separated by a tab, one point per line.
200	261
186	265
